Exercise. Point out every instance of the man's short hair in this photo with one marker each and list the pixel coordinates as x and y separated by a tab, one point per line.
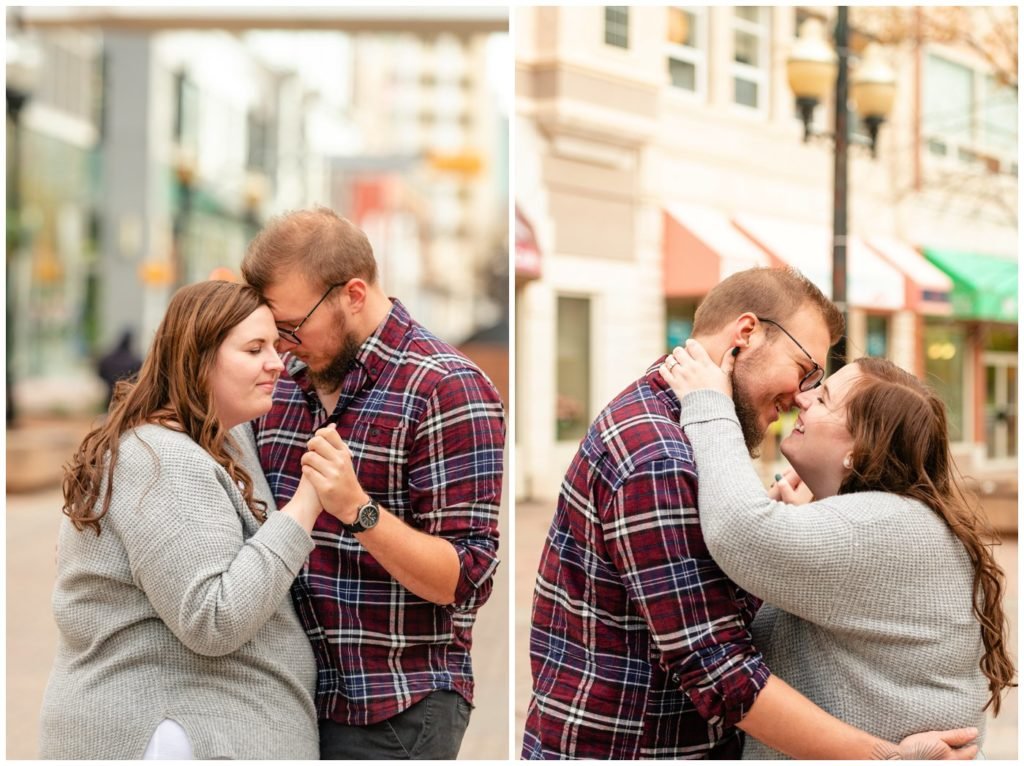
326	248
770	294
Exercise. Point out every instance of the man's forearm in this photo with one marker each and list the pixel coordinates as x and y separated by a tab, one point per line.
784	719
424	564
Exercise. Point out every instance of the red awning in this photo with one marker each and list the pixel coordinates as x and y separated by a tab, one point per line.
701	247
527	249
872	283
928	288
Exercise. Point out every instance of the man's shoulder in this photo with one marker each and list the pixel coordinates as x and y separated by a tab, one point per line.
427	361
638	427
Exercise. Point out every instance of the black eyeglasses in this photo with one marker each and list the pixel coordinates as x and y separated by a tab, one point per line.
812	379
291	335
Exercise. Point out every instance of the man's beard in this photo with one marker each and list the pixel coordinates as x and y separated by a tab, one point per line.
330	377
746	412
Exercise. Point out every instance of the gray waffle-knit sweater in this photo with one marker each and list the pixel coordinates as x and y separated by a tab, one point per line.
868	595
180	609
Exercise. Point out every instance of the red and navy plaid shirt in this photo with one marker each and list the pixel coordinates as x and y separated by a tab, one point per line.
640	646
426	429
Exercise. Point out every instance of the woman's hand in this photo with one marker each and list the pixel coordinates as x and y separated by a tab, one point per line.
690	369
950	745
328	467
304	506
789	488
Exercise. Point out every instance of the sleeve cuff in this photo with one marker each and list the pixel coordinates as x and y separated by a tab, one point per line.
286	538
729	697
476	573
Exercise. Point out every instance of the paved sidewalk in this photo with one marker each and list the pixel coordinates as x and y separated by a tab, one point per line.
532	522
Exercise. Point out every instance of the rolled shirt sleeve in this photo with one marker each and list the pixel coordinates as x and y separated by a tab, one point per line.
691	608
455	478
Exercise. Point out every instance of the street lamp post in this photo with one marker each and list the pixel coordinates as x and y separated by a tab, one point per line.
813	68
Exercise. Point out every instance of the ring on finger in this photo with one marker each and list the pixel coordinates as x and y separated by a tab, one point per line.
672	362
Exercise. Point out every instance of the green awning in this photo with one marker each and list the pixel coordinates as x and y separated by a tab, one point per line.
984	286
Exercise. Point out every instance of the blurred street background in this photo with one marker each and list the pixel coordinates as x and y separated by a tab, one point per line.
660	149
147	145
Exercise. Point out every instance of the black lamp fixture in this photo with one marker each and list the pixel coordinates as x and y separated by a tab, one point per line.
812	69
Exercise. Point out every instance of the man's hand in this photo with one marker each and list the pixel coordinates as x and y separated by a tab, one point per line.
951	745
328	466
690	369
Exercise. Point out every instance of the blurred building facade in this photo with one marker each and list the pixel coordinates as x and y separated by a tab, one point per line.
659	150
151	154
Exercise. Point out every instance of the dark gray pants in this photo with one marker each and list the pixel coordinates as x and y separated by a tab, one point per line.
430	730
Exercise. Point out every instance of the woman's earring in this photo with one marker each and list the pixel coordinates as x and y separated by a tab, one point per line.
848	462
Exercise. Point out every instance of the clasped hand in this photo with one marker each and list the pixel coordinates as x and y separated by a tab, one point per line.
691	369
327	469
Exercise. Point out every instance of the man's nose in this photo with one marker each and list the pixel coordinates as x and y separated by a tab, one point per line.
283	344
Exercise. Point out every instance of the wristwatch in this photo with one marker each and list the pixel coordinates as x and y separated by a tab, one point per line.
366	518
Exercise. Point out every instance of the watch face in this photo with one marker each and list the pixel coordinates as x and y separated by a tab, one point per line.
369	516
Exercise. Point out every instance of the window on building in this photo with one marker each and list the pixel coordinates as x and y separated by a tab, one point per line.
751	55
968	115
186	111
945	346
616	25
679	313
998	117
259	142
686	48
572	374
878	335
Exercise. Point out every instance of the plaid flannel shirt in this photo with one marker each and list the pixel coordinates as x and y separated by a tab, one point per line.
426	430
640	646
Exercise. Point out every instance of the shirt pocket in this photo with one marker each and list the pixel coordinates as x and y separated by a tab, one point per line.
380	454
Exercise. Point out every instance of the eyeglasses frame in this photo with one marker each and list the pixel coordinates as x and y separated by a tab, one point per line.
292	335
814	370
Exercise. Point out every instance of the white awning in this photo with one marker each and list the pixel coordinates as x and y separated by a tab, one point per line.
872	283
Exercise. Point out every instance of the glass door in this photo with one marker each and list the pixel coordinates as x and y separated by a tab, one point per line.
1000	406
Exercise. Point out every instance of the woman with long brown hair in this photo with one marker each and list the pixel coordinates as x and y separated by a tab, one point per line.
178	638
883	602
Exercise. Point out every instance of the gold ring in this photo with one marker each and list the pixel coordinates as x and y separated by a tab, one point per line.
674	362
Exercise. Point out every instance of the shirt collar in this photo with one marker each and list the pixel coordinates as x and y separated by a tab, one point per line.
661	389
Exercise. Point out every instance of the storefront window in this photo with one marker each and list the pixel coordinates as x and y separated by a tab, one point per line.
945	346
679	321
572	399
878	335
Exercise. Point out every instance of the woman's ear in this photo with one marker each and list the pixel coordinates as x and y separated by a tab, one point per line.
848	461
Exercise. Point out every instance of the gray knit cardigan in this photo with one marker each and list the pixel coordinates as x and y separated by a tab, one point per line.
867	595
180	609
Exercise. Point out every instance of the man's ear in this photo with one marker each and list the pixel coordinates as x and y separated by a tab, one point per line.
742	329
355	293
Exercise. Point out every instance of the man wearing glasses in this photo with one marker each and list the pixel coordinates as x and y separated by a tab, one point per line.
640	646
389	596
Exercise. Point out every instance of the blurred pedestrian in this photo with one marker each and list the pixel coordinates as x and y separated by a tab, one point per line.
177	638
390	593
640	646
120	363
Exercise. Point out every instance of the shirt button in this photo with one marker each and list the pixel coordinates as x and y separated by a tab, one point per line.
676	678
374	432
